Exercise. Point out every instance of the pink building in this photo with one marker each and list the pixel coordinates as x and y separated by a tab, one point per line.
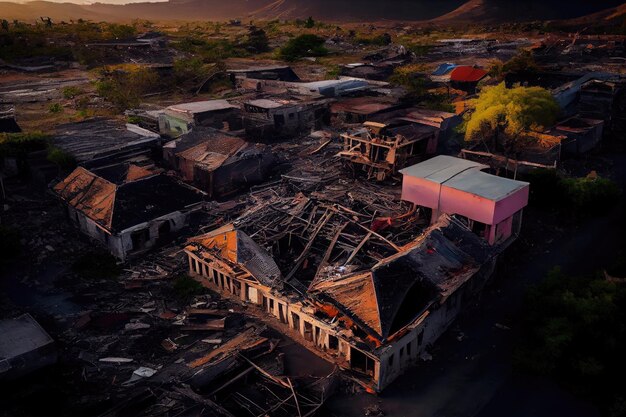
490	205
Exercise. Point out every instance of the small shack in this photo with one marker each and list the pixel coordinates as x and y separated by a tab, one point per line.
490	205
180	118
24	347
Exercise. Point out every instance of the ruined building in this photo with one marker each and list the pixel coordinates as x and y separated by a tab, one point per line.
127	208
181	118
358	275
267	119
381	149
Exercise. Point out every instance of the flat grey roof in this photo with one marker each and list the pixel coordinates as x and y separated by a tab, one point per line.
21	335
259	68
485	185
93	138
202	106
440	168
265	103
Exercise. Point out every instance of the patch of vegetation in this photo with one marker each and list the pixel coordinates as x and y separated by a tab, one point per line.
62	159
303	45
186	287
124	87
71	92
375	40
97	265
10	246
19	145
573	330
501	116
211	50
409	77
577	196
55	108
257	40
419	49
522	62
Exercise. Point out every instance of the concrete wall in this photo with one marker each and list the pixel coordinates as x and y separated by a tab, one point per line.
394	359
121	245
443	199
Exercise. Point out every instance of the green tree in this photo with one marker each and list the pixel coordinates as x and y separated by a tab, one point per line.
500	115
522	62
303	45
5	24
573	330
309	23
257	40
124	88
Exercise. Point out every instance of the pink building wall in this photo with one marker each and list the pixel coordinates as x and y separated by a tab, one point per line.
444	199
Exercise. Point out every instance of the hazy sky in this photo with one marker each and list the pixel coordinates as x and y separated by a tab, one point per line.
91	1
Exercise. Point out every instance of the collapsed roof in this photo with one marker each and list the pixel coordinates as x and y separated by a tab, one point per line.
351	246
117	201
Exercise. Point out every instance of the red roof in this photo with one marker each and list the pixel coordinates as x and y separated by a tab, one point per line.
467	74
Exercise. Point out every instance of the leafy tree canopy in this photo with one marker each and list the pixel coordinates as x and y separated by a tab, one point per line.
500	110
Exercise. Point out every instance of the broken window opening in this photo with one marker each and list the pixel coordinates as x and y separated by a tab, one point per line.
420	338
295	319
333	342
360	362
281	313
308	331
139	239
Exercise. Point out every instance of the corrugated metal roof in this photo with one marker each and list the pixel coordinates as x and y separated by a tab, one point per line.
467	74
202	106
485	185
440	168
444	69
464	175
265	103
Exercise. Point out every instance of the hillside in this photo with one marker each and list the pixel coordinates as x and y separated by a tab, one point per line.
493	11
441	11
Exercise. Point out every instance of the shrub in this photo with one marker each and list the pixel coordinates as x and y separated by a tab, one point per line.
591	195
579	196
62	159
124	88
378	40
573	330
303	45
55	108
186	287
71	92
257	40
408	77
20	144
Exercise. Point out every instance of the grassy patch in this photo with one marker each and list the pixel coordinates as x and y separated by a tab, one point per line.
62	159
186	287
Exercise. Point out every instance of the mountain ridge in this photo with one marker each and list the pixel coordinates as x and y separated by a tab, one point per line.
441	11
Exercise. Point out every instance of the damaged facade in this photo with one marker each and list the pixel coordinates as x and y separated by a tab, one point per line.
381	149
357	274
266	119
127	208
179	119
224	164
